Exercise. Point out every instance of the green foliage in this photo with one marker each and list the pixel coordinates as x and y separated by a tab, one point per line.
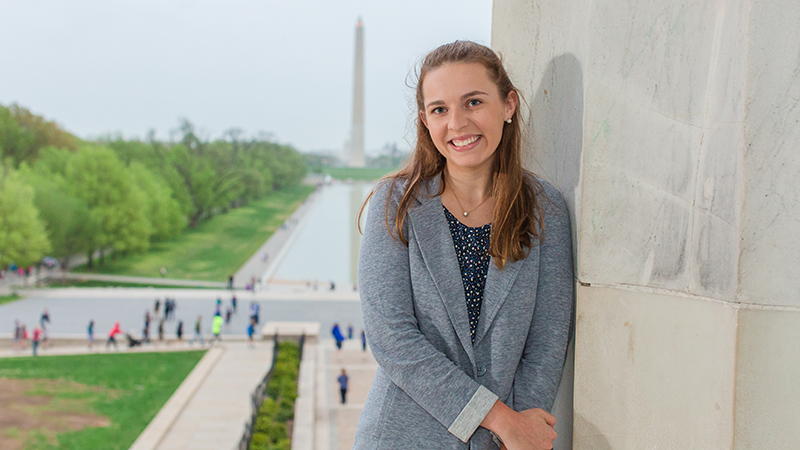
162	209
23	134
132	388
67	219
127	195
215	248
270	431
23	238
117	204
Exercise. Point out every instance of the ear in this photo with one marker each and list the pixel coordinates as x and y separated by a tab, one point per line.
422	118
512	101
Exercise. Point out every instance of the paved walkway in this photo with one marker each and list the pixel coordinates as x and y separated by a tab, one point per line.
336	422
215	416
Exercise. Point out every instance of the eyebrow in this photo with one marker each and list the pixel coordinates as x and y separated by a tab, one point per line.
463	97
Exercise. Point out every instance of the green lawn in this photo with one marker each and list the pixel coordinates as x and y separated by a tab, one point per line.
103	284
353	173
8	298
217	248
127	388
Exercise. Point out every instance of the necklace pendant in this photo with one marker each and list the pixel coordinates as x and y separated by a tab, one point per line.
466	214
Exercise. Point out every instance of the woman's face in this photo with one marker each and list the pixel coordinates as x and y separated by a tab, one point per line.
465	114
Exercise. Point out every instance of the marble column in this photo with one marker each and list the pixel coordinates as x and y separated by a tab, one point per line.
671	129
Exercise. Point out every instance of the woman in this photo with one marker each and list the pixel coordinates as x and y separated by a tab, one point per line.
465	274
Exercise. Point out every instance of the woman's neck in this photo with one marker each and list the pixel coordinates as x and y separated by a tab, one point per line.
469	186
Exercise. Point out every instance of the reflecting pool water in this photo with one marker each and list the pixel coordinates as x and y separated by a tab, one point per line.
326	248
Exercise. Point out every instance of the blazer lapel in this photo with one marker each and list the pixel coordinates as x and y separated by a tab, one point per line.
498	285
436	245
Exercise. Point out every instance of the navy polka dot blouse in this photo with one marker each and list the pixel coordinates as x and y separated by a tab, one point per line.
472	250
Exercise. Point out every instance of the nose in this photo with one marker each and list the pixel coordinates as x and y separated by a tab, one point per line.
458	119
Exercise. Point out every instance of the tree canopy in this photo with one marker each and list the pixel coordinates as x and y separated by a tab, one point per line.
75	196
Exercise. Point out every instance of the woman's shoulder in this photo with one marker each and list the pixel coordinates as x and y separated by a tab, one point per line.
541	187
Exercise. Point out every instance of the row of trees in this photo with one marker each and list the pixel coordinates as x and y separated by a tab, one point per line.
63	196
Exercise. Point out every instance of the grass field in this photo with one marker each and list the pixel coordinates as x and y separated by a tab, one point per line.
8	298
215	249
98	283
352	173
123	391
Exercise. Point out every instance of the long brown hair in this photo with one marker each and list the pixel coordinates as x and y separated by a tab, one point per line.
517	216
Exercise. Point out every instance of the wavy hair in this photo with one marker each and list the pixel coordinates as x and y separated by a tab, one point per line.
517	218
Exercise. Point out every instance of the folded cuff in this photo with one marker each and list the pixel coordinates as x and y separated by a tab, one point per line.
473	414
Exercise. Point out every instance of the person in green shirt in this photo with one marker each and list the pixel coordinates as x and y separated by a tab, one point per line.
216	326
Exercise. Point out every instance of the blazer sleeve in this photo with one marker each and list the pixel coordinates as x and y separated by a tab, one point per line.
424	373
539	371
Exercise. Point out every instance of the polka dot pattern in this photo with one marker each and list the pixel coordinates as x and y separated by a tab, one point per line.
472	250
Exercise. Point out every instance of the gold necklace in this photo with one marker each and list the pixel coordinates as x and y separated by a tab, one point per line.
466	213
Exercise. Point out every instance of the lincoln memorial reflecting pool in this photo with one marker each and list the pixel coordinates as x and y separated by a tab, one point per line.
325	248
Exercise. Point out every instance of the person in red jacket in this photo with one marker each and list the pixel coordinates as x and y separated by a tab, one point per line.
114	331
37	333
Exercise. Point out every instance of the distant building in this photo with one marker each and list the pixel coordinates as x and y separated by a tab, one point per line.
356	149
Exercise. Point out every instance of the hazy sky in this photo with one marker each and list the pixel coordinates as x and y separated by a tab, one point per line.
99	67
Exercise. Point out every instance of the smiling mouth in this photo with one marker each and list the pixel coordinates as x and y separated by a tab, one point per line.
465	142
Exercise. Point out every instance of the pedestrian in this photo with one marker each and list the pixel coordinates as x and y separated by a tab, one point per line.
363	341
44	322
228	314
163	271
216	327
111	335
465	273
343	379
337	335
233	303
251	330
37	332
198	335
350	331
254	310
230	281
156	307
161	330
17	334
146	330
179	331
90	332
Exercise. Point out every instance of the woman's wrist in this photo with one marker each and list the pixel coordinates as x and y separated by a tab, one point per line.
498	419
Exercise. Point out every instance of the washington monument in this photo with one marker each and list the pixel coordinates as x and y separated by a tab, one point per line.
357	137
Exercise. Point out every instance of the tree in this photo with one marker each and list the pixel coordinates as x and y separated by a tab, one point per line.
67	219
163	211
23	239
117	204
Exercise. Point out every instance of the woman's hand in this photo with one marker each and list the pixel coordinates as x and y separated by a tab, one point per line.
531	429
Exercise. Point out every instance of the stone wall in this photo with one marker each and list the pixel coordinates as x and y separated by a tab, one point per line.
672	129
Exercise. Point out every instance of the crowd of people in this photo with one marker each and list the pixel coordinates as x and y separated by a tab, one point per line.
154	329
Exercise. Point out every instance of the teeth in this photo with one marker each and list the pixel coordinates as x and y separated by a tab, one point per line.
465	142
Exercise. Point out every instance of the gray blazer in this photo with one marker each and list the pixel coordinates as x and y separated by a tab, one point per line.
434	386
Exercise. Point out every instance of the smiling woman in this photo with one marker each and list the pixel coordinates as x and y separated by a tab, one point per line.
467	314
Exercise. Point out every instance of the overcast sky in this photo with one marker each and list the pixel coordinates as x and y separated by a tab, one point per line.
99	67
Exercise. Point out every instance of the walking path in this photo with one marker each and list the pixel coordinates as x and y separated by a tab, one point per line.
336	423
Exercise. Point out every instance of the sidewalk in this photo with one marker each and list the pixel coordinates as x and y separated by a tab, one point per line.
336	423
